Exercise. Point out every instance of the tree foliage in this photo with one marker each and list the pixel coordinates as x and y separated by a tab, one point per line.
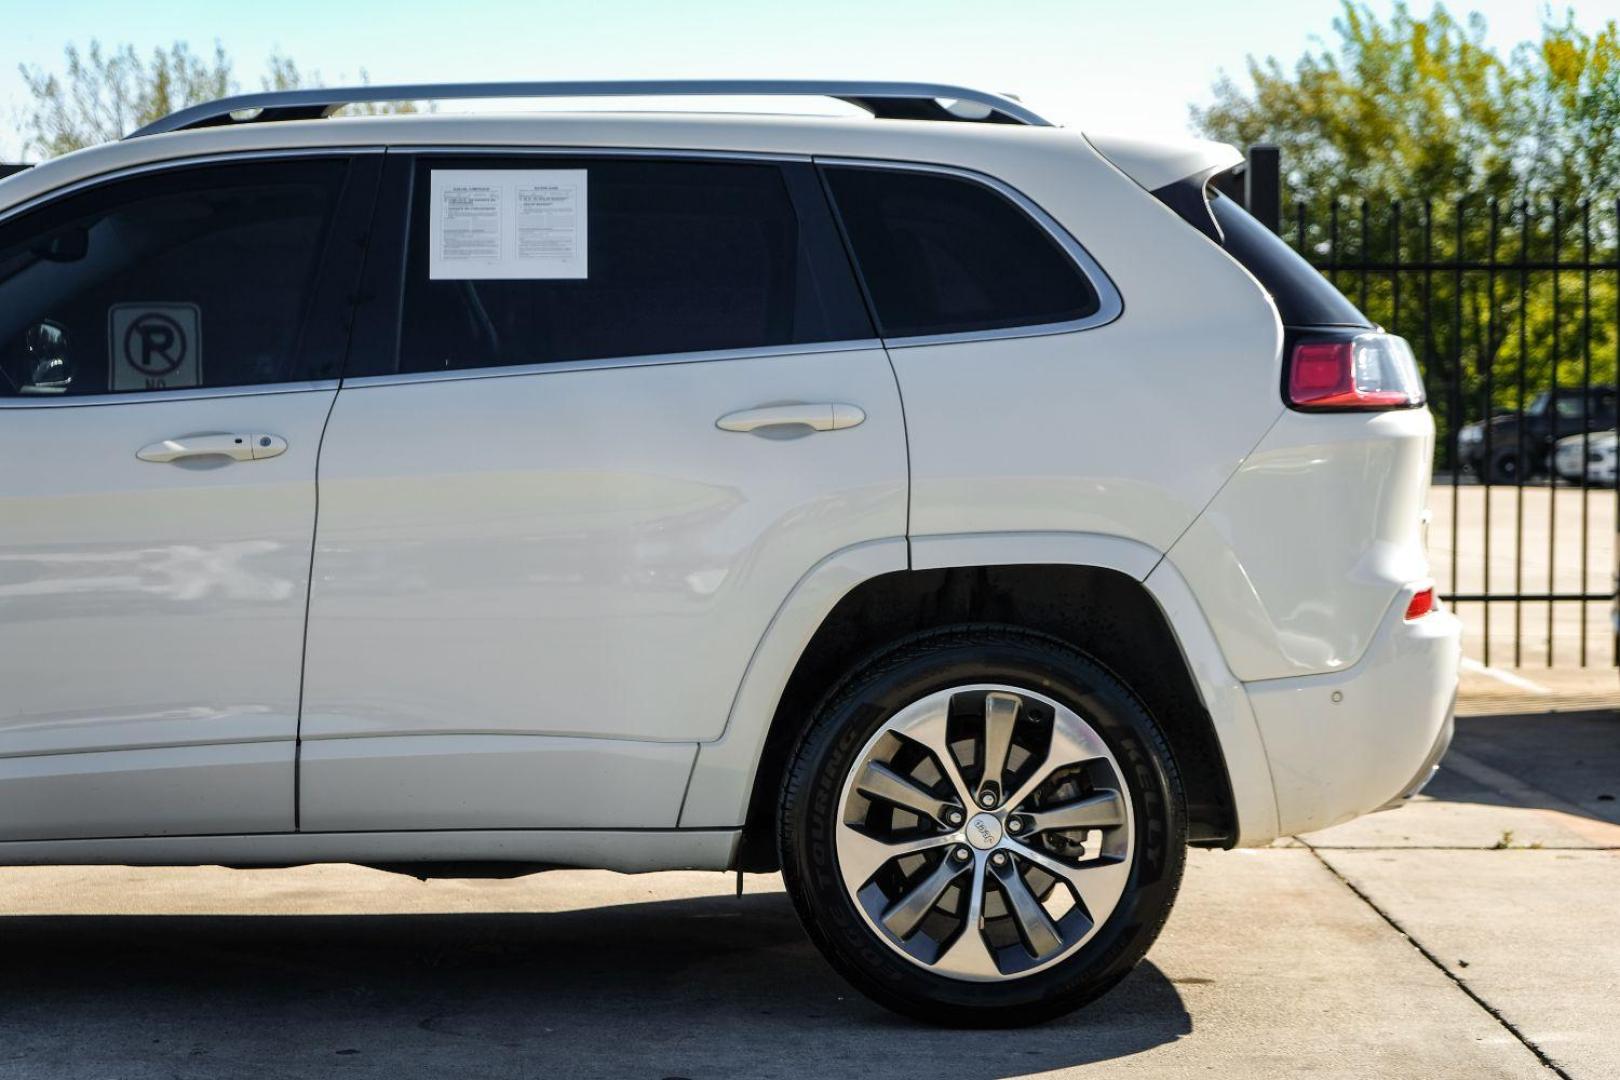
1418	106
102	95
1411	142
283	74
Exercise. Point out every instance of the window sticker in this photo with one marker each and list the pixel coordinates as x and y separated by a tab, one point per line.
154	346
507	223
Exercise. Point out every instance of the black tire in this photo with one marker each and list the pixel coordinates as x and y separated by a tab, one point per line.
1505	468
862	703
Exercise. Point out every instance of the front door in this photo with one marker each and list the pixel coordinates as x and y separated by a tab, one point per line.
622	407
168	350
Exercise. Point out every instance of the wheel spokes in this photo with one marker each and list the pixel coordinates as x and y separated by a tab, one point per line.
969	955
1098	883
1036	926
1000	716
1102	810
860	856
927	729
879	781
1069	746
902	916
947	887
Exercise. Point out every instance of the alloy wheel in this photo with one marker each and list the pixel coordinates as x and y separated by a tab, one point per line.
985	832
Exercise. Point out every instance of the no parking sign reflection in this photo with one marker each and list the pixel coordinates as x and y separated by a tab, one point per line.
154	346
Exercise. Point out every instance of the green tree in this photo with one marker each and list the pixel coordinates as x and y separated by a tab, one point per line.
283	74
1424	106
103	95
1412	141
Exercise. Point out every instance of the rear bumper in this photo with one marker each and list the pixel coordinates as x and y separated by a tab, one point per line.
1431	764
1352	741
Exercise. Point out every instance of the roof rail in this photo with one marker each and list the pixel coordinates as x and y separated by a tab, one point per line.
886	100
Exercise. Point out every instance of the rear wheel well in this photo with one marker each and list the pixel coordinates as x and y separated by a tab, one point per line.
1106	614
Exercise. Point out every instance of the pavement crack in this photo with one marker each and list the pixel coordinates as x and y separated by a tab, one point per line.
1495	1013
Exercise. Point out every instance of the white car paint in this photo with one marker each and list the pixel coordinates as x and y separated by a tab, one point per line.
1589	458
152	616
599	561
1341	745
1337	497
1153	163
461	643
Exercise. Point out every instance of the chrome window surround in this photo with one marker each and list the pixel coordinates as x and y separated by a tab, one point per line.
141	397
217	158
1110	303
152	397
610	362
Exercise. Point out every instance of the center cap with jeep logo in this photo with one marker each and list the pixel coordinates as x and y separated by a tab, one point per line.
984	831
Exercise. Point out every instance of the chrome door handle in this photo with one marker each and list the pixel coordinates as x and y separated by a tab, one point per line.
244	447
820	416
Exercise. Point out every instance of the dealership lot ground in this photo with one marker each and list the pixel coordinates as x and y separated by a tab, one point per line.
1471	934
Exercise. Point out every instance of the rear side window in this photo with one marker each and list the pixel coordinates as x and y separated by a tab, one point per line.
943	254
651	257
1303	296
190	278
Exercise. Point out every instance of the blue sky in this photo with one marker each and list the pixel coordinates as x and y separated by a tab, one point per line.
1117	65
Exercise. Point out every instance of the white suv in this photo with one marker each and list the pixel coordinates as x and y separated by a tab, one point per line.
960	514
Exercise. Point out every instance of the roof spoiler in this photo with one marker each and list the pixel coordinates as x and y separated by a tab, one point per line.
1154	164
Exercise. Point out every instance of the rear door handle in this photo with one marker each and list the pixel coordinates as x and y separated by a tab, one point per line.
238	447
819	416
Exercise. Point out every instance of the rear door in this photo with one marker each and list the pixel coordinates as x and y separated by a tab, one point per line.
169	346
606	412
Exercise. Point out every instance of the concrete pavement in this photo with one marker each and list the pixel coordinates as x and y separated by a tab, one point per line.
1286	961
1505	875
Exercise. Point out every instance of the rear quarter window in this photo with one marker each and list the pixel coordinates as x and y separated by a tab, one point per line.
944	254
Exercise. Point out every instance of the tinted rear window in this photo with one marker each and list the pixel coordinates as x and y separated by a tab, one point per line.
1303	296
943	254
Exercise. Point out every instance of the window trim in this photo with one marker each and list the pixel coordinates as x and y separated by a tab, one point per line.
710	356
90	183
147	397
745	157
1110	305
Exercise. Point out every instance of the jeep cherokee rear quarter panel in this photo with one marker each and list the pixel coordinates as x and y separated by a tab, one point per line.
1124	430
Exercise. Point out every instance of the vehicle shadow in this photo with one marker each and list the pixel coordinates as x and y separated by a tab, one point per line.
1572	756
705	987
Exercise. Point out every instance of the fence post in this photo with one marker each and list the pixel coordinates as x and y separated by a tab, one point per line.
1262	185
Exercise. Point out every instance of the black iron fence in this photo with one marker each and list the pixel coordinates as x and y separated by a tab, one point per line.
1513	309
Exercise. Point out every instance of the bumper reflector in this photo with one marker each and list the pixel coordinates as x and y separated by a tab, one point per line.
1422	603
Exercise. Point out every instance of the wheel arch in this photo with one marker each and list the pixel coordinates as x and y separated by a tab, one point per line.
1102	611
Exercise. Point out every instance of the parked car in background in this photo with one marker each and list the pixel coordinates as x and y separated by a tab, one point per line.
1510	446
1587	458
705	492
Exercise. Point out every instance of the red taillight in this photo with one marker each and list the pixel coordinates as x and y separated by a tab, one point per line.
1368	371
1421	604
